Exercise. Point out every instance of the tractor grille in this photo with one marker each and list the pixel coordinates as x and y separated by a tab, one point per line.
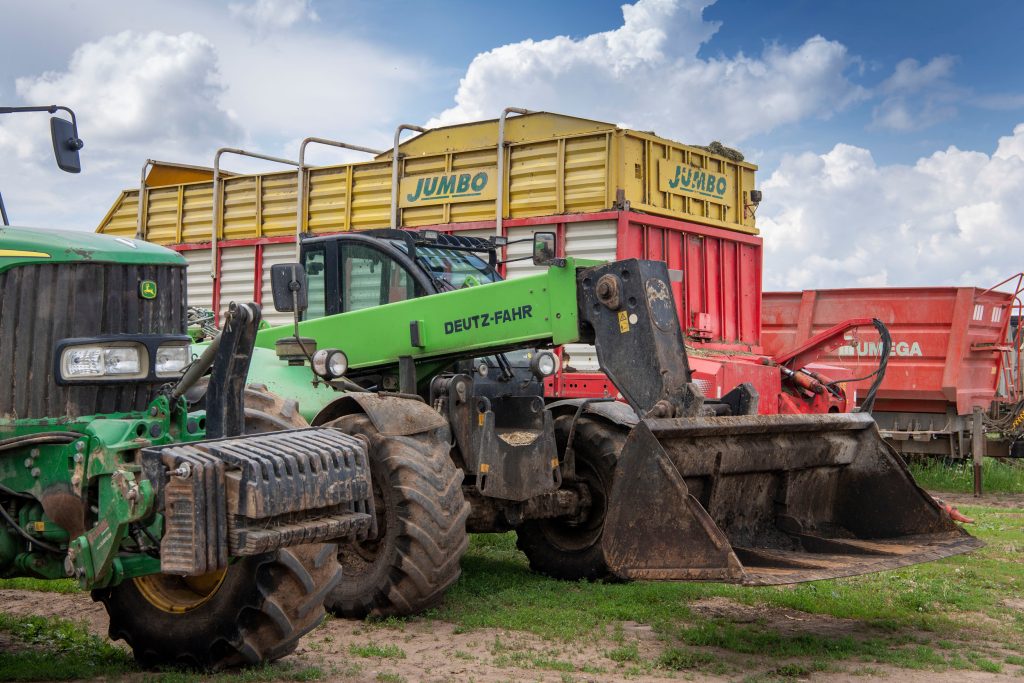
42	304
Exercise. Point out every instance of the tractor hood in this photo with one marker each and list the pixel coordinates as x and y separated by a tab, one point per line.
35	245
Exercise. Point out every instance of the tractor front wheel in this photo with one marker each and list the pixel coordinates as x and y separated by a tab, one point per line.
252	612
421	526
255	611
570	549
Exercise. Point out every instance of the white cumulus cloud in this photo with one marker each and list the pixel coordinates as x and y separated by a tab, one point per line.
647	73
136	95
840	220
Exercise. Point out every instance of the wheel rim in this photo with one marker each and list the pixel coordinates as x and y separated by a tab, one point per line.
179	594
577	536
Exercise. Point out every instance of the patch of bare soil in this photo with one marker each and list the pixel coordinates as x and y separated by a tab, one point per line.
780	620
77	607
433	651
437	651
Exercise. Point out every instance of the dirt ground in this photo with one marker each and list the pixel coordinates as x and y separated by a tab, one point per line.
437	651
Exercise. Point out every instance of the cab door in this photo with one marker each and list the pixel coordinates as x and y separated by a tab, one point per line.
368	277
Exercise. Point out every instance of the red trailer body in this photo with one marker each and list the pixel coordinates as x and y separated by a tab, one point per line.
950	353
716	279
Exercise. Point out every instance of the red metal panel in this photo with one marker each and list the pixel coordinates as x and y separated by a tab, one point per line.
939	336
257	275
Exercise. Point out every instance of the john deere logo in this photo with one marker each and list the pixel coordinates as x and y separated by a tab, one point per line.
679	179
147	289
470	185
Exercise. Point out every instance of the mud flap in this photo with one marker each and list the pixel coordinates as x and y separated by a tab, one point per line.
768	500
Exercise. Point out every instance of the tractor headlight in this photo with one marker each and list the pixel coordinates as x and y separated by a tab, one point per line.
330	363
543	364
171	359
123	360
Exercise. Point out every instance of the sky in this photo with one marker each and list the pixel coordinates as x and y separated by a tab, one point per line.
889	135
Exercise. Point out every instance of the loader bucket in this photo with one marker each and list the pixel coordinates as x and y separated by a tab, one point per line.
768	499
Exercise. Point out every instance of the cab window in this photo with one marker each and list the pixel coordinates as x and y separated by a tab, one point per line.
314	262
371	278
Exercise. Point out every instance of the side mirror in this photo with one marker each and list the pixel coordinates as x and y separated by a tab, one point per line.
544	250
288	283
65	144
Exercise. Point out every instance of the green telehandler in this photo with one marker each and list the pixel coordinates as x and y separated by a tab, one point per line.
203	538
669	485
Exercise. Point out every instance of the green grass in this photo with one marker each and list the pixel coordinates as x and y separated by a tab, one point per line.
57	649
41	585
388	651
937	616
958	477
912	617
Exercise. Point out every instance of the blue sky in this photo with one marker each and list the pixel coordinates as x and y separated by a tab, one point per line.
884	131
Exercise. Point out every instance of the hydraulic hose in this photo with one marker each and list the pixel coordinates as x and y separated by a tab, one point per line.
879	373
41	438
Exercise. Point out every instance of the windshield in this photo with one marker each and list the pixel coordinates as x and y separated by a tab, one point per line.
457	268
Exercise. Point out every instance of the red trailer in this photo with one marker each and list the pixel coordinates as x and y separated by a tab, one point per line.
716	279
951	355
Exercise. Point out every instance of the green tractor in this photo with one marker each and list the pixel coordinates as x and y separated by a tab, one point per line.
669	485
203	537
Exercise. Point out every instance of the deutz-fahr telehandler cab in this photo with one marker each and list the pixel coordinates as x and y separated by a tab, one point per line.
201	537
669	486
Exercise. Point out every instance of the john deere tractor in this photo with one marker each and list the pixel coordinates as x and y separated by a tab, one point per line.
203	543
201	536
669	485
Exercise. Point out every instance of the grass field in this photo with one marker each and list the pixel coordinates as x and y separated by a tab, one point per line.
952	615
958	477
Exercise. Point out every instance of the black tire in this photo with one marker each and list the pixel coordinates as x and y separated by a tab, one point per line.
264	411
421	522
254	612
571	550
257	614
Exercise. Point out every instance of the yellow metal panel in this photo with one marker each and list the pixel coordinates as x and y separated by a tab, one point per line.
531	178
197	213
122	217
328	200
239	208
585	171
277	204
162	215
654	174
162	174
371	196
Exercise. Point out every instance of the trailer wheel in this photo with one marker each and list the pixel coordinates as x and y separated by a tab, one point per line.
571	549
421	526
253	612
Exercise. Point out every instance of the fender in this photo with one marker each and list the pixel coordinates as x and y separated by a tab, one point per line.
615	412
392	415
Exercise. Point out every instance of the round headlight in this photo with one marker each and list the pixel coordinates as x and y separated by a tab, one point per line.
330	363
544	364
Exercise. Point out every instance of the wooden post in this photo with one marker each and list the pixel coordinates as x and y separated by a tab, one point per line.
977	447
